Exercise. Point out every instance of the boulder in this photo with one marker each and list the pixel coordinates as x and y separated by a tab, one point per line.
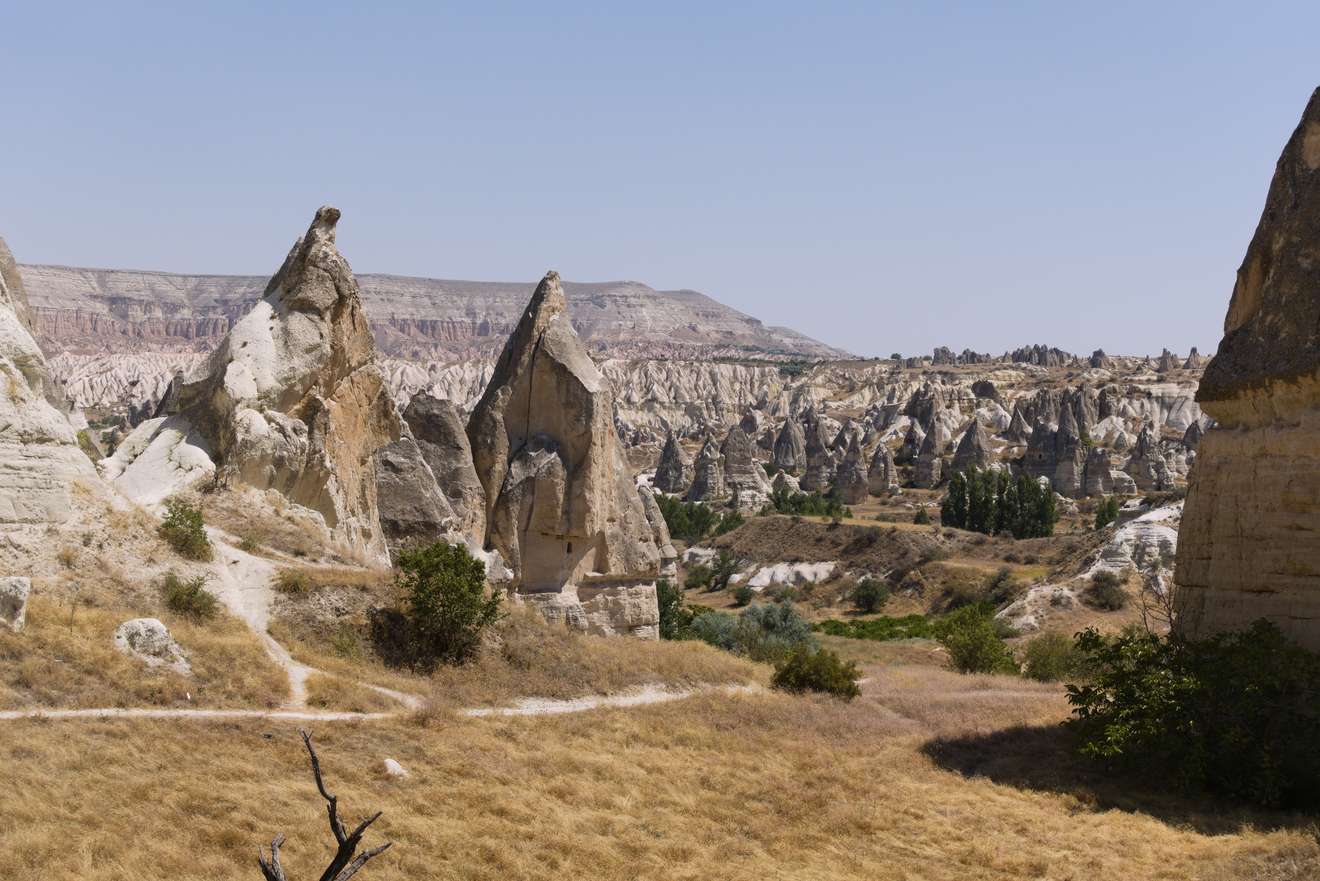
1249	543
40	459
562	508
442	439
673	474
14	592
149	640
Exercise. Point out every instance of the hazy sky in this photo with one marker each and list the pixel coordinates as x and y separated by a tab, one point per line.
882	177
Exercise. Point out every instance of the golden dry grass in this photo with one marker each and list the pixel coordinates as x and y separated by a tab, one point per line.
717	787
336	693
55	663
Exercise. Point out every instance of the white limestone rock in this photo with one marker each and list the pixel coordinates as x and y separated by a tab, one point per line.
14	592
149	640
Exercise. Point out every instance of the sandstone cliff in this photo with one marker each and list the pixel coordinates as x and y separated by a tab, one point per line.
1250	543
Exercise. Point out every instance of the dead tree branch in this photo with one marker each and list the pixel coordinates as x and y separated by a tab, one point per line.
345	864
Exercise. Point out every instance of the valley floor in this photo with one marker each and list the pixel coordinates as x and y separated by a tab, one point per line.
929	775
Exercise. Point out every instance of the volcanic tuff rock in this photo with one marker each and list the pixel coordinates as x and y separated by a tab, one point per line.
819	473
1250	541
708	475
1147	466
975	449
660	532
14	592
562	508
413	510
443	443
930	463
39	454
790	450
673	474
293	401
851	482
882	476
743	474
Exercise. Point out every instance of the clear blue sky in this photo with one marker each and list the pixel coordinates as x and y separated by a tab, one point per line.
882	177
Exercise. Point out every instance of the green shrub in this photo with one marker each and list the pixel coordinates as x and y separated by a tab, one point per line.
189	597
803	669
785	501
729	522
922	517
446	603
870	595
1002	588
880	629
1106	512
1054	657
1237	714
675	616
183	530
292	582
690	521
715	628
698	577
742	595
762	632
973	643
722	570
1107	591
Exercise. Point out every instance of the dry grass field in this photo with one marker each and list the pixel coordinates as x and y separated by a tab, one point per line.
928	776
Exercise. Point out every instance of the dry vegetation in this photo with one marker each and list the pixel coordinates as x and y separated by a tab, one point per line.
65	657
926	776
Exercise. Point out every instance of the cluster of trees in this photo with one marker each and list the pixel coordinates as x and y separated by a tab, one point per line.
785	501
992	502
693	521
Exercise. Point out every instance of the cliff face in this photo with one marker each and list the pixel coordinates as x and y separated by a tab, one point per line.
1250	543
102	310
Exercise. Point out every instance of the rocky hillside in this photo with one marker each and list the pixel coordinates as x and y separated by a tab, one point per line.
95	311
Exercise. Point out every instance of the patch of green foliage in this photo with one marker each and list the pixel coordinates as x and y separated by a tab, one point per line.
189	597
803	669
973	642
743	594
1237	714
785	501
762	632
1107	591
1054	657
446	603
183	530
880	629
870	595
922	517
992	502
693	521
675	615
1106	512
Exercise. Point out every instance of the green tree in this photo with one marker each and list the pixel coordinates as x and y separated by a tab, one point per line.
870	595
1106	512
184	531
446	602
675	616
973	643
953	510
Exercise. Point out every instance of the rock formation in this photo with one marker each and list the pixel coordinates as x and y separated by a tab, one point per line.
413	510
673	474
39	455
851	483
1193	361
148	640
14	592
819	473
1099	359
882	476
293	401
790	451
562	508
1147	467
930	464
708	475
1250	540
974	449
1166	362
1058	455
1019	432
442	439
743	474
660	532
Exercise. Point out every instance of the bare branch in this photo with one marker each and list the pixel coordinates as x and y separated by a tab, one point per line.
362	861
272	869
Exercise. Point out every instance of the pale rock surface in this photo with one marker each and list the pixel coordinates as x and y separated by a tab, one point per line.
708	483
395	770
790	450
562	509
1147	466
673	473
413	510
852	482
975	449
882	476
149	640
929	470
14	592
660	532
743	474
787	574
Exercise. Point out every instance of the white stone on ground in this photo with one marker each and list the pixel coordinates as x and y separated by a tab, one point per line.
14	592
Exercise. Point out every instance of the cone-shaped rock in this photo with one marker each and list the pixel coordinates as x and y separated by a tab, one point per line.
708	475
819	472
930	465
882	476
1249	544
974	450
561	507
1018	430
1148	467
743	474
674	472
790	452
851	483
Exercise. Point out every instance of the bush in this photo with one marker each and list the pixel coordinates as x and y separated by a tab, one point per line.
698	577
880	629
1106	512
821	670
292	582
742	595
763	632
1107	591
922	517
674	615
973	643
870	595
1053	657
1237	714
722	570
183	530
446	603
798	504
189	597
715	628
729	522
1001	588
